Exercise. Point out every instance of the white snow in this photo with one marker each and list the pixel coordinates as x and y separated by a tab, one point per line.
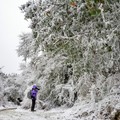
80	111
93	87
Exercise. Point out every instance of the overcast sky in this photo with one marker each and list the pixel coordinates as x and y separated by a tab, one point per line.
12	24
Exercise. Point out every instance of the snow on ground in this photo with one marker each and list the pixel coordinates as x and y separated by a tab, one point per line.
90	111
21	114
101	110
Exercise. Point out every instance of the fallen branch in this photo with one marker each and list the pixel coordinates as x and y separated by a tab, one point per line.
7	109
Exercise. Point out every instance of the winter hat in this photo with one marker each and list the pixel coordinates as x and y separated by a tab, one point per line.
34	86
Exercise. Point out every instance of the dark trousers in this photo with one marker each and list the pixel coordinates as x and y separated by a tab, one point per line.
33	104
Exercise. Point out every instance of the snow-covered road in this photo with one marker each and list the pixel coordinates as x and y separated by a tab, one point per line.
21	114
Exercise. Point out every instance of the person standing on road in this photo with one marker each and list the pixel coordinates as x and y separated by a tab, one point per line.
34	96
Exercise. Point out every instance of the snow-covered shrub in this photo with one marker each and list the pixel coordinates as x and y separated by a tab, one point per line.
9	88
26	103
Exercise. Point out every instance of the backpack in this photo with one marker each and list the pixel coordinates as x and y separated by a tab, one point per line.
29	94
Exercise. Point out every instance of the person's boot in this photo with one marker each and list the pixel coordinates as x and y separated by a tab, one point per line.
33	110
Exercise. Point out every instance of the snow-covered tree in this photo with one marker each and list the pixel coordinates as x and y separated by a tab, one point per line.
90	42
9	88
83	34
